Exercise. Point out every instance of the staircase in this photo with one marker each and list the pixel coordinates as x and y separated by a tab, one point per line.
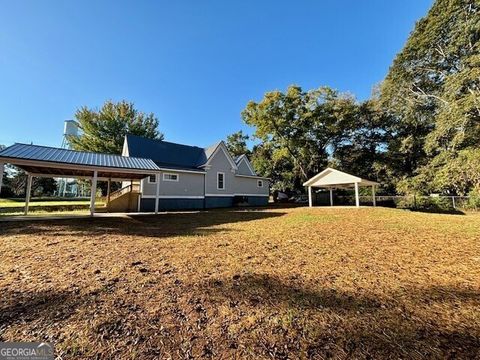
124	199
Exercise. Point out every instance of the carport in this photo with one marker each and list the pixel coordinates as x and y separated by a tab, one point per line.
332	179
43	161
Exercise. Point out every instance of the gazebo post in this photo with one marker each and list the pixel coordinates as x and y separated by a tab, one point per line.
373	196
93	193
27	193
357	199
2	169
157	192
331	196
310	202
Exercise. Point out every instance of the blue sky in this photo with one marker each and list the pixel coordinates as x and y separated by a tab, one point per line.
194	64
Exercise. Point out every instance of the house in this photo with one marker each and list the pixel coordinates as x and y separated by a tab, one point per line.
157	175
192	177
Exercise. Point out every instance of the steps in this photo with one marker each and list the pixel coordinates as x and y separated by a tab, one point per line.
124	199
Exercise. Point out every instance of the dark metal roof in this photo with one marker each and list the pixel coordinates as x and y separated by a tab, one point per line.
57	155
167	154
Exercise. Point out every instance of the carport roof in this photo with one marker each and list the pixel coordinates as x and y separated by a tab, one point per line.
329	178
57	161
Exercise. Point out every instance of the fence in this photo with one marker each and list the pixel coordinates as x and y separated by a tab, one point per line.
407	201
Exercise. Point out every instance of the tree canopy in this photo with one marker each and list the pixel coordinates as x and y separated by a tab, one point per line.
104	130
420	132
302	132
433	92
237	143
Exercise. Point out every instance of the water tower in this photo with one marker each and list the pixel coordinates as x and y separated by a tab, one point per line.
70	128
68	186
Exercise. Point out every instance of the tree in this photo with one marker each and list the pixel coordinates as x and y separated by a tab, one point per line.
275	164
104	130
40	186
432	91
300	125
360	146
237	144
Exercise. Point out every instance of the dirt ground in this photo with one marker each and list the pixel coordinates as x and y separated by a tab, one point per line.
283	283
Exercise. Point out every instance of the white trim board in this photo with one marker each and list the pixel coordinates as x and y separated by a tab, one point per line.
174	197
199	196
253	177
200	172
232	195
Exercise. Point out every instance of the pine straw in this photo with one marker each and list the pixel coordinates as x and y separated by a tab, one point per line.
280	283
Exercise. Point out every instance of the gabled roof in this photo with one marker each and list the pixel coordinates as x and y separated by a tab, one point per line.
167	154
175	156
332	177
219	147
244	158
65	156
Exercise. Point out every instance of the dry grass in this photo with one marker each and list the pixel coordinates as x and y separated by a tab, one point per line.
280	283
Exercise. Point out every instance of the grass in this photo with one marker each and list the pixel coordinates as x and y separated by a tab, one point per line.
279	283
50	206
13	203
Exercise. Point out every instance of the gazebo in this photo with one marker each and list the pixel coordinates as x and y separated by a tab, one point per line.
334	179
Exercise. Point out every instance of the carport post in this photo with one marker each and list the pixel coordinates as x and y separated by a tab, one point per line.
357	199
310	202
157	192
2	168
331	197
93	193
373	196
27	193
108	190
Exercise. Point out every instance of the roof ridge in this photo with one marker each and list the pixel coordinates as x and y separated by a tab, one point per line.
163	141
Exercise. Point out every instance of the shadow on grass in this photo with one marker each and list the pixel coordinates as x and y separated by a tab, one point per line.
47	306
439	211
162	225
359	326
265	289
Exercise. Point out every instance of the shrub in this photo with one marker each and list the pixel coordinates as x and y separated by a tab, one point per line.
426	203
474	199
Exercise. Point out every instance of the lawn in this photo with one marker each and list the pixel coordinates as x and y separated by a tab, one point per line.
42	206
279	283
9	203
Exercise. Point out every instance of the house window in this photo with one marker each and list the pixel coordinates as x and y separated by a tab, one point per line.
260	183
170	177
152	179
221	181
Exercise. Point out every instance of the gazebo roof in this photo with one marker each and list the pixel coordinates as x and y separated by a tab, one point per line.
334	178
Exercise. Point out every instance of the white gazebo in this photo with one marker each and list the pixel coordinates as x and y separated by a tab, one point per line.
334	179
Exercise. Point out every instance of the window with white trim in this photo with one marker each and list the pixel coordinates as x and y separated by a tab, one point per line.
260	183
170	177
221	181
152	179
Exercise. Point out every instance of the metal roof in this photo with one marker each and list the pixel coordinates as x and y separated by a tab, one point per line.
167	154
58	155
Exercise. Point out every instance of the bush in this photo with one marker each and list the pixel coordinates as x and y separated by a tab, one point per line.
426	203
474	199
